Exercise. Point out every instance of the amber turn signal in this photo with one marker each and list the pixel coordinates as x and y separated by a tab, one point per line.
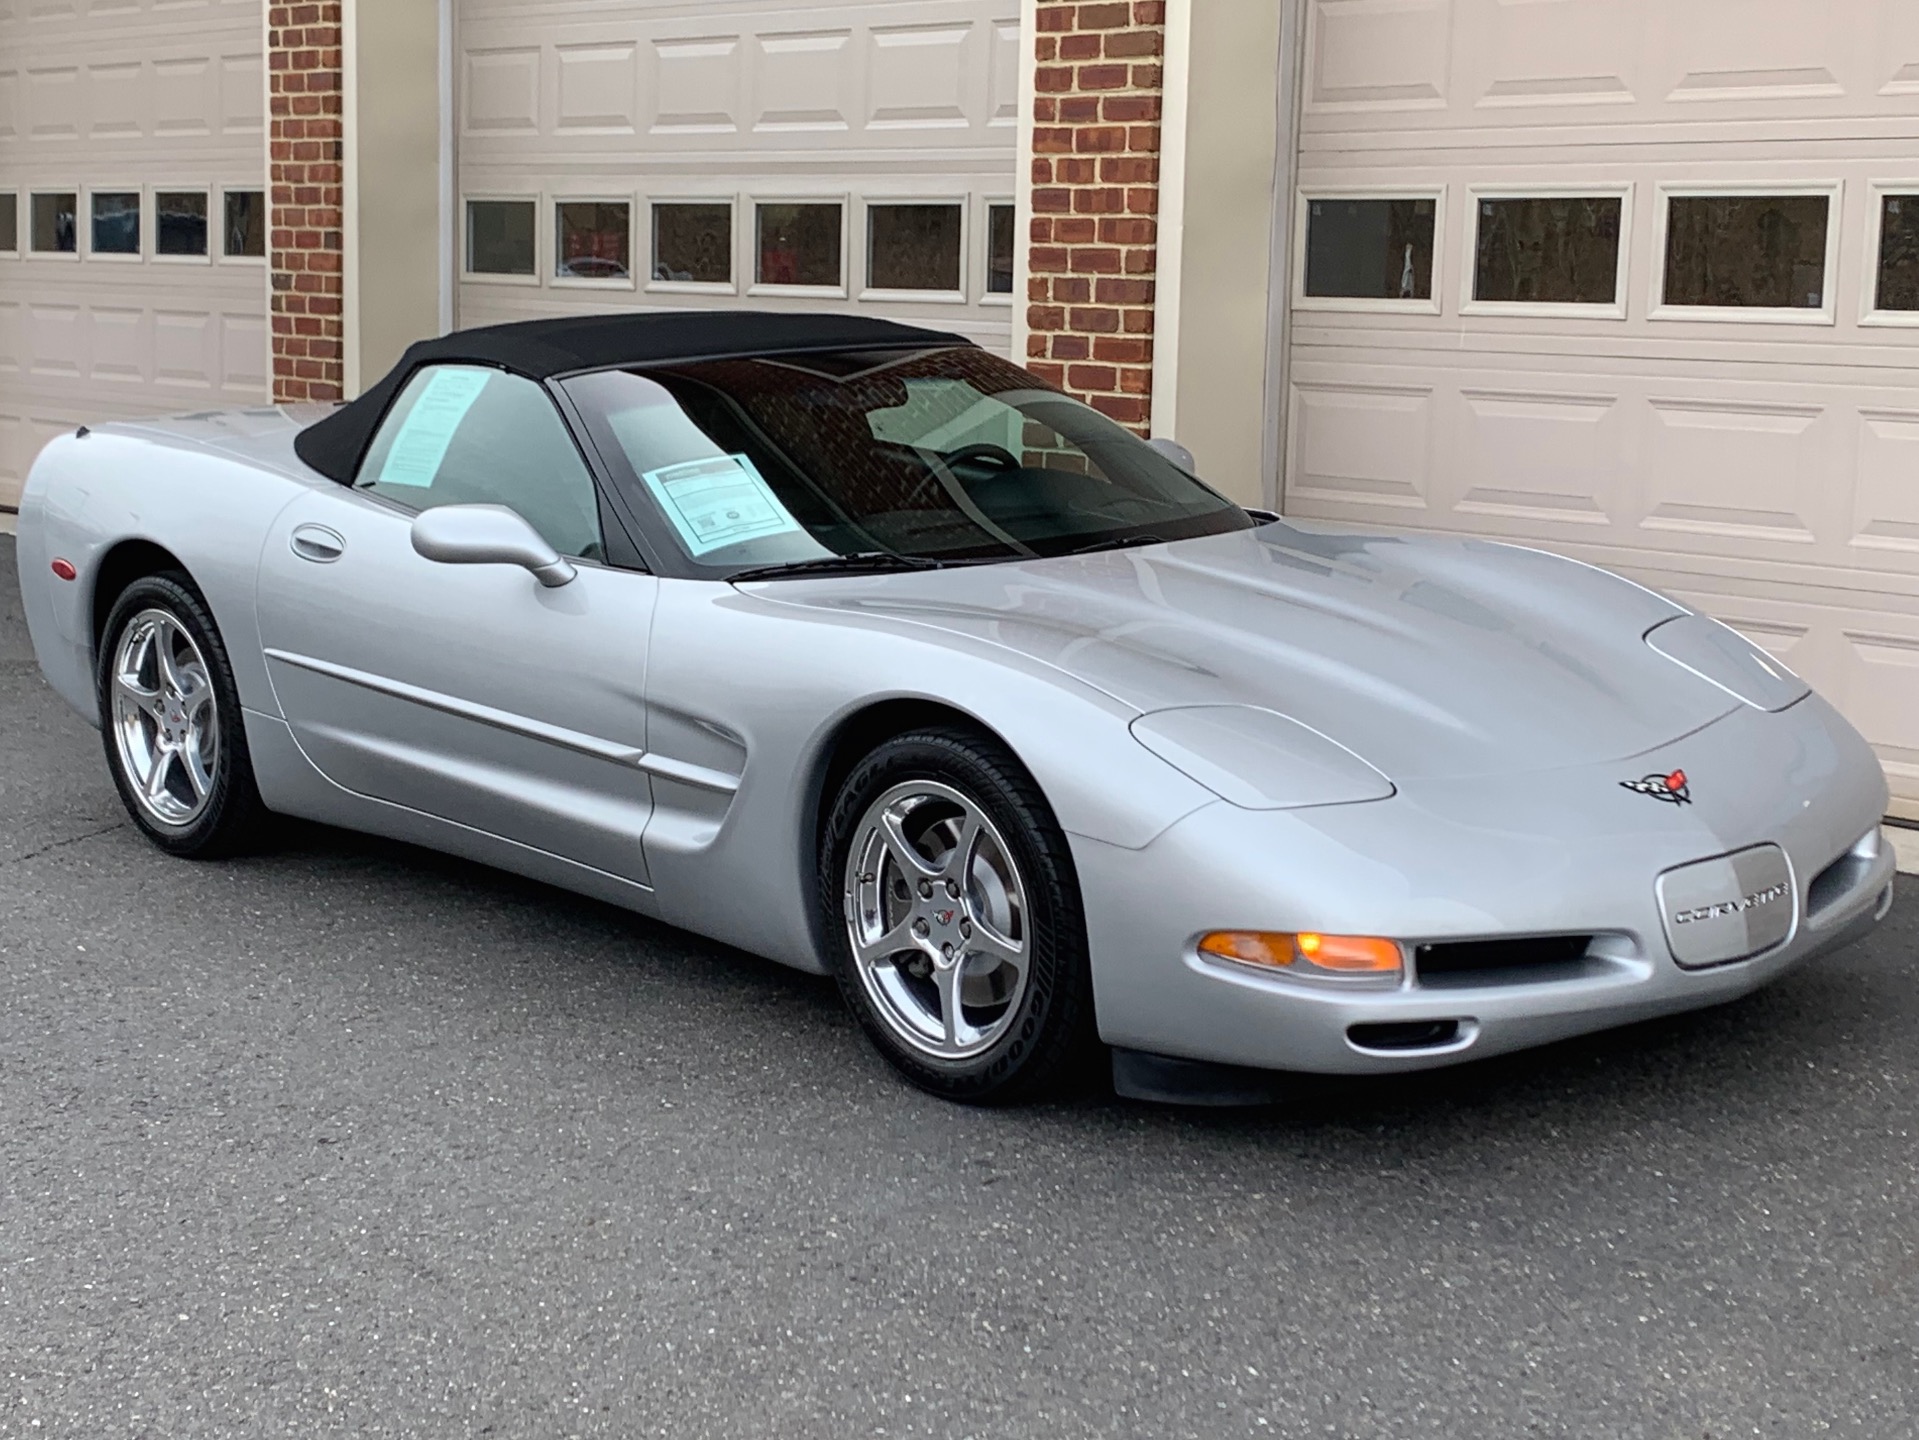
1308	951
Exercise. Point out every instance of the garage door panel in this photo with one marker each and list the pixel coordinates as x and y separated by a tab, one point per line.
1719	49
1362	449
697	86
1534	456
185	350
1573	52
1380	54
1734	473
918	76
502	91
1881	693
1885	515
56	340
599	89
119	344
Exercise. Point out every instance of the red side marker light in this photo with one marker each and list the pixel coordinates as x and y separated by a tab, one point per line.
64	569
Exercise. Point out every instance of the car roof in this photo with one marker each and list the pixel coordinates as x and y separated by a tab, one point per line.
541	349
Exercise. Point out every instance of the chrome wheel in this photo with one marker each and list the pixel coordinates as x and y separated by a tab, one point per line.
937	916
165	723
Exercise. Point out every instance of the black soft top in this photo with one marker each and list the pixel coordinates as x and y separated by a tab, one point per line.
541	349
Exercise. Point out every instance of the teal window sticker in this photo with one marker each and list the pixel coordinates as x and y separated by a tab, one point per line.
419	449
718	501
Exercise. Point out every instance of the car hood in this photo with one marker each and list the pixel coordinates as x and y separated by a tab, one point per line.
1426	657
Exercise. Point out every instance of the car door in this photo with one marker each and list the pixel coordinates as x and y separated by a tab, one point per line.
469	692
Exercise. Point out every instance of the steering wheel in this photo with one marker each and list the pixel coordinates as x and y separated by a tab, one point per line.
984	451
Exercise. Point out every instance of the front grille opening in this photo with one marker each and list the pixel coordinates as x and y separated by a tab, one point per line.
1836	882
1404	1035
1506	960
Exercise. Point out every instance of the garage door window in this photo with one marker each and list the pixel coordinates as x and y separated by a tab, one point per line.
913	248
1898	280
1747	252
9	223
999	249
245	230
1547	250
693	243
499	238
799	245
56	223
180	223
1377	250
594	240
116	222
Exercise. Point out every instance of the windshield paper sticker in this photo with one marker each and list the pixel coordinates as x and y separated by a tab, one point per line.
421	445
718	501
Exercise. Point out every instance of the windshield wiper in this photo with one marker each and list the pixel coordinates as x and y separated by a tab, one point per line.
1130	542
860	562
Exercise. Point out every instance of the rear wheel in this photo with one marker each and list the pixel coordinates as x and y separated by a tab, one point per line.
170	718
953	911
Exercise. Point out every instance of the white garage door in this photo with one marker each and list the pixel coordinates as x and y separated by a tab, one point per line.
772	156
132	218
1637	281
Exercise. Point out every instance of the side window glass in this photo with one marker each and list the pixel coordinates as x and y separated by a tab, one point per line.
467	435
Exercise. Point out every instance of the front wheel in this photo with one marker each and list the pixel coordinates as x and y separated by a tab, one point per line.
170	716
953	913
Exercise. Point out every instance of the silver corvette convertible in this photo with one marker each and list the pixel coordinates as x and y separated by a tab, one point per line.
856	647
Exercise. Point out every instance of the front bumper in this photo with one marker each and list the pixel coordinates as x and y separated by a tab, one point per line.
1569	852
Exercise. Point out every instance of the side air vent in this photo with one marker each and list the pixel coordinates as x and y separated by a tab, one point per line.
1837	881
1507	962
1404	1036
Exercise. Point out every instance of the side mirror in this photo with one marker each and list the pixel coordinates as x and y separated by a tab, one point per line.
488	535
1175	452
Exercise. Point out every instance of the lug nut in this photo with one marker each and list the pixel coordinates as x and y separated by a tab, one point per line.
966	929
952	889
926	889
920	928
947	951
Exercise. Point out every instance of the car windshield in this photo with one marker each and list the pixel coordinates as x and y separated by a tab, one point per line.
934	456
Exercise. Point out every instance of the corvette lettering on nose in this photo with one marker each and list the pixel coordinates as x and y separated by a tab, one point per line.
1758	898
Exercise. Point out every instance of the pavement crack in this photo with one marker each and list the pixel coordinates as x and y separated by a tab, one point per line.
62	844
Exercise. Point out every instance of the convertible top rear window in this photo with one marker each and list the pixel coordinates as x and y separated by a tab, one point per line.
934	455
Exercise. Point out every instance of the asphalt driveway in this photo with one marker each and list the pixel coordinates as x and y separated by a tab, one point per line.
353	1139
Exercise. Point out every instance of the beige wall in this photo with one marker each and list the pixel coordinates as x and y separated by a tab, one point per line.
393	260
1220	165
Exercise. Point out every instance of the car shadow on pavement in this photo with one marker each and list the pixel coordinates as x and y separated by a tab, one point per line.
1777	1048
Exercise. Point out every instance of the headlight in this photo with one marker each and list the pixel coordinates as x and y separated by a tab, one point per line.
1259	759
1721	656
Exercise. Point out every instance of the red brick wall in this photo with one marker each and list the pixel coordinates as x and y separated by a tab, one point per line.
304	217
1093	247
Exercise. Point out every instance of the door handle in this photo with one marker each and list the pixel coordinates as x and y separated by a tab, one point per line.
317	543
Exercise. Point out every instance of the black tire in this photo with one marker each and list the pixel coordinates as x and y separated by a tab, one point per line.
233	818
1050	1043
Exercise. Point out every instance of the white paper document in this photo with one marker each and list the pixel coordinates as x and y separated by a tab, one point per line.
718	501
421	445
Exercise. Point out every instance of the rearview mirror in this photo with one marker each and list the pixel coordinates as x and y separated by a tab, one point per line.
1175	452
488	535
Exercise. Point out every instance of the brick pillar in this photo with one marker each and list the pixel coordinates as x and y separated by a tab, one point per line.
1095	201
305	236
